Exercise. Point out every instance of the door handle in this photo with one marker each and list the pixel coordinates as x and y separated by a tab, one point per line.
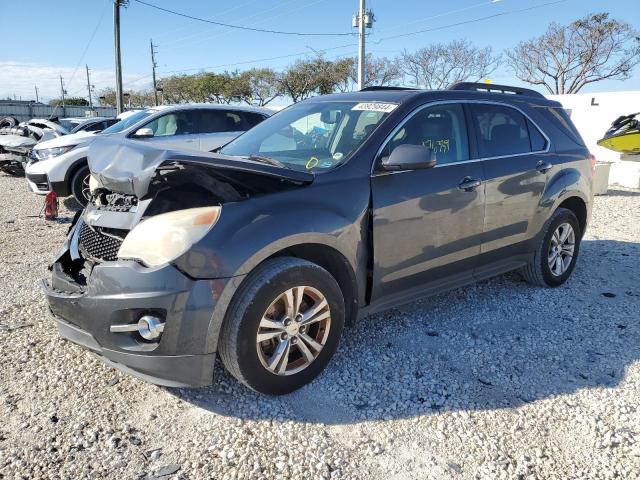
543	167
469	184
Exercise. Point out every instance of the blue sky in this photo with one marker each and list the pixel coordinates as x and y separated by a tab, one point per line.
44	39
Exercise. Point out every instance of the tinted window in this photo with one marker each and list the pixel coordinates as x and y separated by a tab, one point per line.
128	122
174	123
441	128
538	142
501	130
212	121
252	119
95	126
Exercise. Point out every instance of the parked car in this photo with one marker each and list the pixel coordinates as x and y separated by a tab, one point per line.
18	138
61	165
335	208
90	124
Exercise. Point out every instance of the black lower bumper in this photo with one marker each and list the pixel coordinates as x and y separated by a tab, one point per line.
120	292
167	370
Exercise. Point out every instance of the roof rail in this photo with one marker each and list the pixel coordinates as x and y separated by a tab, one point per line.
492	88
375	88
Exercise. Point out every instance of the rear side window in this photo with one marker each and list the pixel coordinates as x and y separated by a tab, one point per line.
213	121
501	130
252	119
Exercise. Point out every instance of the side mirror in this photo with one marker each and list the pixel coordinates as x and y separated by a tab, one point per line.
143	133
409	157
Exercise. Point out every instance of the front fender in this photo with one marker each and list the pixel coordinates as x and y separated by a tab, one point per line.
250	231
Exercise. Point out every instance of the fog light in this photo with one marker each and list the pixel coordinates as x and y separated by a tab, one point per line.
150	327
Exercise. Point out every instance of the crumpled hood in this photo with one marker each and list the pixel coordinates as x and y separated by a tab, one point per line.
16	141
128	166
80	139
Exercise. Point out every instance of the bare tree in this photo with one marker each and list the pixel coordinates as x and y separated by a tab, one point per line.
380	71
566	58
441	65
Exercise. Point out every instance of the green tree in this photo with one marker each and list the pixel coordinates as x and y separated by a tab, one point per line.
76	101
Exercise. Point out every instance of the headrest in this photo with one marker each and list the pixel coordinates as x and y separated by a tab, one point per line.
437	127
505	130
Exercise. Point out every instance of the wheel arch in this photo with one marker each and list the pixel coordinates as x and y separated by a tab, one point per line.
334	262
72	170
579	208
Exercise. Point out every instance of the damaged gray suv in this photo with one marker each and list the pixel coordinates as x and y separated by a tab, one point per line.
335	208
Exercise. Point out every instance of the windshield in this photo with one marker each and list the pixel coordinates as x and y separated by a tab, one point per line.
313	136
69	124
127	122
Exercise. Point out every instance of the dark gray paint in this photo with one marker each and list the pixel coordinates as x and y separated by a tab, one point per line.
402	234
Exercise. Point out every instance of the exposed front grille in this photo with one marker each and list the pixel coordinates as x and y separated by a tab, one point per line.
98	245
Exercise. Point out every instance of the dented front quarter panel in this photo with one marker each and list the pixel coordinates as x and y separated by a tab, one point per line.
330	212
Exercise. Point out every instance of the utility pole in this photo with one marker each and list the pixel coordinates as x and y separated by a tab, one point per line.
363	20
62	92
37	99
116	45
89	88
153	68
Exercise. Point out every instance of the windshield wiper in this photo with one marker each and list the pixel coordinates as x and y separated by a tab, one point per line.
267	160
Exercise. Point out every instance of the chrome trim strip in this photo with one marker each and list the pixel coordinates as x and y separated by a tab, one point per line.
415	111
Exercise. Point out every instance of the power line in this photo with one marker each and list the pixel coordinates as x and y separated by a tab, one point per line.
378	42
240	27
466	22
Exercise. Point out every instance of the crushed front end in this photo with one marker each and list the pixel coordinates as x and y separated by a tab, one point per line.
105	304
116	286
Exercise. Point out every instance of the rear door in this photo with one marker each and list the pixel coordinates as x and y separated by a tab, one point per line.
516	163
218	127
427	224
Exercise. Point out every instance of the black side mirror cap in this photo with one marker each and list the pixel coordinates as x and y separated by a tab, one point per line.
409	157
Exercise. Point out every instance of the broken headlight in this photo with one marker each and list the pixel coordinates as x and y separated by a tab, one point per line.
162	238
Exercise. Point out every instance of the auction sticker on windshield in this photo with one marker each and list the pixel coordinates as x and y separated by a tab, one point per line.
375	107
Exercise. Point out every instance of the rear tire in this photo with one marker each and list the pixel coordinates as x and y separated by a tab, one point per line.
80	186
260	307
555	257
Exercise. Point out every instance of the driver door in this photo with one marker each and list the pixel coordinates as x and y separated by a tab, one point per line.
427	224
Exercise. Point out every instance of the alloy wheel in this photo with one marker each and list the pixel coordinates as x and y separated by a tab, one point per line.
86	191
561	250
293	330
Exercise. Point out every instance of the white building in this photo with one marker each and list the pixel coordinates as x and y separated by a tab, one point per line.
593	114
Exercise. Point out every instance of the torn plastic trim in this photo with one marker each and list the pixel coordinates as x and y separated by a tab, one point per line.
129	166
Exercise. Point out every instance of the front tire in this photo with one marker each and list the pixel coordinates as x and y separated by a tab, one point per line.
283	326
80	186
557	251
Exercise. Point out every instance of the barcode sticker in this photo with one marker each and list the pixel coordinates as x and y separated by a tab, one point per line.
375	107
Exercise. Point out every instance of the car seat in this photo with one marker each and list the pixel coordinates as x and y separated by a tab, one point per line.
505	139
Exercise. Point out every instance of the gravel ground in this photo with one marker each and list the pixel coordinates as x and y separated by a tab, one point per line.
496	380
